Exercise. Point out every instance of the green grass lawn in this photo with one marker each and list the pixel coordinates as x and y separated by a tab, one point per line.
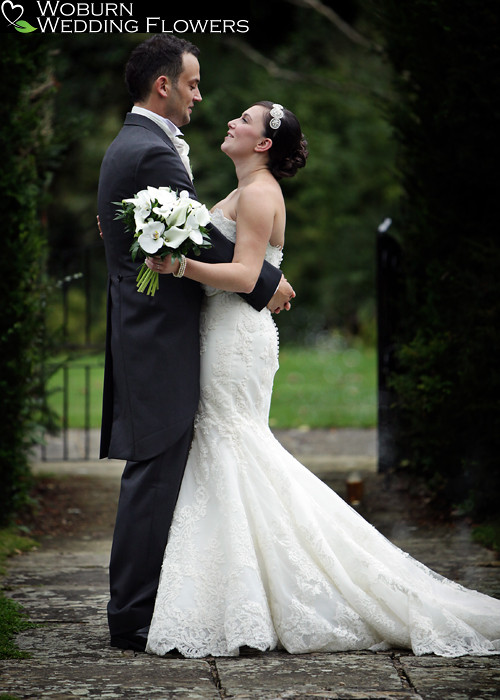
318	388
325	389
84	391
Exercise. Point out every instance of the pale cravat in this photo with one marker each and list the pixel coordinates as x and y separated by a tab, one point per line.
183	150
174	134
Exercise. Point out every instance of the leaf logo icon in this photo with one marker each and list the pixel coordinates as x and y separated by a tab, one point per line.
13	14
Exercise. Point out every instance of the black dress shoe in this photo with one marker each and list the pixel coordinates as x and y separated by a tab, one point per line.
135	640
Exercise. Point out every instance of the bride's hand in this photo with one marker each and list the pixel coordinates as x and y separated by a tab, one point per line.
165	266
282	297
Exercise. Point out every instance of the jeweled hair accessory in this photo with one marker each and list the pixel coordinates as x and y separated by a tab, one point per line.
277	115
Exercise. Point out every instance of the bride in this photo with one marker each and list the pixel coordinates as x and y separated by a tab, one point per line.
261	553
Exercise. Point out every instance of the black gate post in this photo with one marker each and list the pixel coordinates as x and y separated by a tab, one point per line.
388	291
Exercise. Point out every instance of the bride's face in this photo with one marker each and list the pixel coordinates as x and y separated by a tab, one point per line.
245	133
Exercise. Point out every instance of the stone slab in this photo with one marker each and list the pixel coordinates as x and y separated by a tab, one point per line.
278	674
465	678
125	676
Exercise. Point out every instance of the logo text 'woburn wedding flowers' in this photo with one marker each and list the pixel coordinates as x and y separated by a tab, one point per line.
106	17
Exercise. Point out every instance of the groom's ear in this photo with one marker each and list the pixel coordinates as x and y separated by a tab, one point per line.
263	145
161	86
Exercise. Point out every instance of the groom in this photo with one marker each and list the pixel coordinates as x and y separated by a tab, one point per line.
151	383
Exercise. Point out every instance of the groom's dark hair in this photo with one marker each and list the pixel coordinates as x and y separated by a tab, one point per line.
159	55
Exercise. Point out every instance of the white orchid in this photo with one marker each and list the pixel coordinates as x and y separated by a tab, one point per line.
142	207
151	239
165	196
141	199
198	217
141	217
166	199
152	193
163	210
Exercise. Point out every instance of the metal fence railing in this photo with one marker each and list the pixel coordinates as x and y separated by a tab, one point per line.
76	315
79	387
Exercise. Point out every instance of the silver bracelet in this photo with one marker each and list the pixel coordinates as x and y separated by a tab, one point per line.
182	267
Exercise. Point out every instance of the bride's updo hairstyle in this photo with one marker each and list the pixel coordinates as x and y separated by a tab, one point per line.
289	150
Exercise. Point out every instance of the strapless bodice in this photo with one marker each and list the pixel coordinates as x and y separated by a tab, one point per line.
274	254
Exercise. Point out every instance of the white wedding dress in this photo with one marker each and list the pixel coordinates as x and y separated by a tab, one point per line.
262	554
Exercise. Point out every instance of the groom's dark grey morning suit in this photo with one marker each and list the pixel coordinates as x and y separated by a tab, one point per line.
151	384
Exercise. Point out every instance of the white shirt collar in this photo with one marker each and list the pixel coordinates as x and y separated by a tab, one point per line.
166	124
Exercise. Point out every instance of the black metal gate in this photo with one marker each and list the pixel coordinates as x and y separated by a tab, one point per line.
76	315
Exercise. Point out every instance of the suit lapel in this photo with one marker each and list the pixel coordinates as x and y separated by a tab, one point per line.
138	120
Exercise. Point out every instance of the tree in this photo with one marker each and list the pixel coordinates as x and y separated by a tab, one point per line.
26	150
446	119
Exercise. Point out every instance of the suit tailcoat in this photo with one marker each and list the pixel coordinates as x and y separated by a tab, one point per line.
151	384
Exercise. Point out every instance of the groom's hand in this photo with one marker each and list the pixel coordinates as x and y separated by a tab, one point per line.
282	297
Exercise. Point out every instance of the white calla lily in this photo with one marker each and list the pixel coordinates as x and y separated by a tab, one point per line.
196	236
174	236
179	213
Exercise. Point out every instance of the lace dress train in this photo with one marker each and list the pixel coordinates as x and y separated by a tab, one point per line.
261	553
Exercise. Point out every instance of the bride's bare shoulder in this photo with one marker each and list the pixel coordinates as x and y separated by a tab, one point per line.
229	200
262	192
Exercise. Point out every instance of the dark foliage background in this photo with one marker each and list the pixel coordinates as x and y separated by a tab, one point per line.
28	155
446	120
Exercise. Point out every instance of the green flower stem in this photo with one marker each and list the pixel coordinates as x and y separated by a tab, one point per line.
147	280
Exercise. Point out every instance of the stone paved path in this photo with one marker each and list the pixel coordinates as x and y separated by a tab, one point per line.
63	587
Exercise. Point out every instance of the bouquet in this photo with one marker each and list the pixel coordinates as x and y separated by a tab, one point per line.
163	223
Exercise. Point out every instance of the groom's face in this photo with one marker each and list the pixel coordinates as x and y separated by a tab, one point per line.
185	93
